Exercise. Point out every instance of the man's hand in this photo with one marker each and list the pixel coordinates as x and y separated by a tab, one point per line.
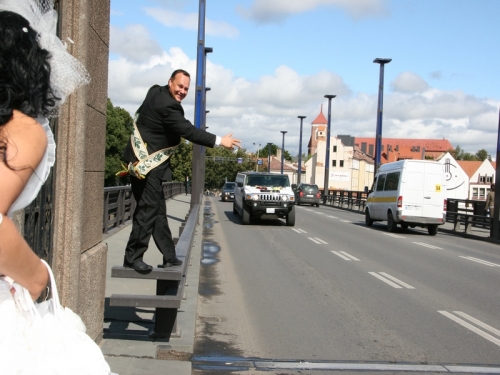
229	142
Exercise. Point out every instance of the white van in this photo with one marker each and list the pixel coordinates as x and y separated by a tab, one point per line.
409	193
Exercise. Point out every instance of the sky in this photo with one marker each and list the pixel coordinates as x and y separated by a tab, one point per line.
274	60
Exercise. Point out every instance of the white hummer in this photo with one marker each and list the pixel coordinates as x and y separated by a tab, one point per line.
264	196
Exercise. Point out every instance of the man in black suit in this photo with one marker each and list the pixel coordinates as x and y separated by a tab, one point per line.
159	128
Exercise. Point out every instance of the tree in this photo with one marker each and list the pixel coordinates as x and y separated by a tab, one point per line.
222	164
119	125
181	161
483	155
263	152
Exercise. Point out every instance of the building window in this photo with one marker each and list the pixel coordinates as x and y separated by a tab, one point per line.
474	193
363	147
334	163
482	194
334	148
370	150
481	179
489	179
341	163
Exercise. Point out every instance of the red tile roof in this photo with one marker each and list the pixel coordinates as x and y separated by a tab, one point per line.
320	119
469	166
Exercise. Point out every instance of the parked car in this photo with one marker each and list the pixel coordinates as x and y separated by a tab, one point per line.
228	192
308	193
261	195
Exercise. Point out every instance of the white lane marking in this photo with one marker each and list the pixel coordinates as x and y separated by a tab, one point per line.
313	240
474	329
345	256
319	213
298	230
385	278
407	286
321	241
427	245
308	209
481	261
392	235
345	221
333	217
349	255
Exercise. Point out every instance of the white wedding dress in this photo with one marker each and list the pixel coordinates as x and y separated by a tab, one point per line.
35	342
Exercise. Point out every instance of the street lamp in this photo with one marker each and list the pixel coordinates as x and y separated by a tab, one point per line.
283	150
327	154
300	150
378	135
258	149
269	157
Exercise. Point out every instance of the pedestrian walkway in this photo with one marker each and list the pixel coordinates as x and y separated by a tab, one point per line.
126	344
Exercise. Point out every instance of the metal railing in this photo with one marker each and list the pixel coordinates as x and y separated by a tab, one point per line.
119	203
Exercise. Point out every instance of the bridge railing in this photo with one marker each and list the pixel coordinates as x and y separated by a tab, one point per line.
119	203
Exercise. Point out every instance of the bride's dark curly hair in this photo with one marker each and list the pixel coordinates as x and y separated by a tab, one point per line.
24	73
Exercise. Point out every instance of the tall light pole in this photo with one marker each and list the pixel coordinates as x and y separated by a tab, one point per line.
257	162
300	150
269	157
378	136
283	150
327	154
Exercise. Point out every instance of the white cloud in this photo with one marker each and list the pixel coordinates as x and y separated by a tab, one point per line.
189	21
265	11
409	82
133	43
256	111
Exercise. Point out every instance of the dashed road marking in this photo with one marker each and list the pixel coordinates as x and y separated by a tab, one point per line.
392	235
298	230
473	328
345	256
386	278
427	245
481	261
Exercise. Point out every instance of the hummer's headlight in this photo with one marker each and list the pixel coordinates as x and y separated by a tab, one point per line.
284	198
255	197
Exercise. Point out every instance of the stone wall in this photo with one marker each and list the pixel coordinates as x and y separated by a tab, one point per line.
79	255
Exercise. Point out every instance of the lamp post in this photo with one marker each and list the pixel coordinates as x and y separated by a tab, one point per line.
300	150
283	150
327	154
269	157
378	135
257	163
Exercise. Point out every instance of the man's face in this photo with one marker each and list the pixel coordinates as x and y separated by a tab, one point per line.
179	86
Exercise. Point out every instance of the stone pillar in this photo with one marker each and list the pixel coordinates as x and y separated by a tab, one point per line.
79	255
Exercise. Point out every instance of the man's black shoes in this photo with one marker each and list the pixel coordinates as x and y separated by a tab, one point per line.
171	262
138	265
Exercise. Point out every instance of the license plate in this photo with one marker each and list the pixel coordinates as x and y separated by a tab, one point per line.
270	210
309	195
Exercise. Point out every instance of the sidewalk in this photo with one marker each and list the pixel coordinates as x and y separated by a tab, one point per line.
125	344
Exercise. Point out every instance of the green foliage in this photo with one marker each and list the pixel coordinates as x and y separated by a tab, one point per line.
181	161
118	129
222	164
460	154
264	153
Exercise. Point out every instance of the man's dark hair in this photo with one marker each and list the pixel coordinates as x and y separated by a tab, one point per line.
177	71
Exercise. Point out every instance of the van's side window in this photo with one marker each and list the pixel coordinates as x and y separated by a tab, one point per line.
392	181
380	182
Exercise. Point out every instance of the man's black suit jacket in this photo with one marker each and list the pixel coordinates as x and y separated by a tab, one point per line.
161	123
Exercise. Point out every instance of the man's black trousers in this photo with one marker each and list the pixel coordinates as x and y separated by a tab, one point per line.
150	218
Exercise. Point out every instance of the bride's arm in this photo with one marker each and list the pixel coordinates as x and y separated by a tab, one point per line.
26	143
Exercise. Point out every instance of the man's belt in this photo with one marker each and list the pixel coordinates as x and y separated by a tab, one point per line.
146	162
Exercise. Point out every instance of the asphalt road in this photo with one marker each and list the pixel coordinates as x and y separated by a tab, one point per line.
332	289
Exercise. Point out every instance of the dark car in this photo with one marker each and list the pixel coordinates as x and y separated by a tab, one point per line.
228	192
308	193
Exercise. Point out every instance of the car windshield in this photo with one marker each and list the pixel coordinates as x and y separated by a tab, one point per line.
269	181
229	185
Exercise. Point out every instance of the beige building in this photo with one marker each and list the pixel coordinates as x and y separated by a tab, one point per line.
349	167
